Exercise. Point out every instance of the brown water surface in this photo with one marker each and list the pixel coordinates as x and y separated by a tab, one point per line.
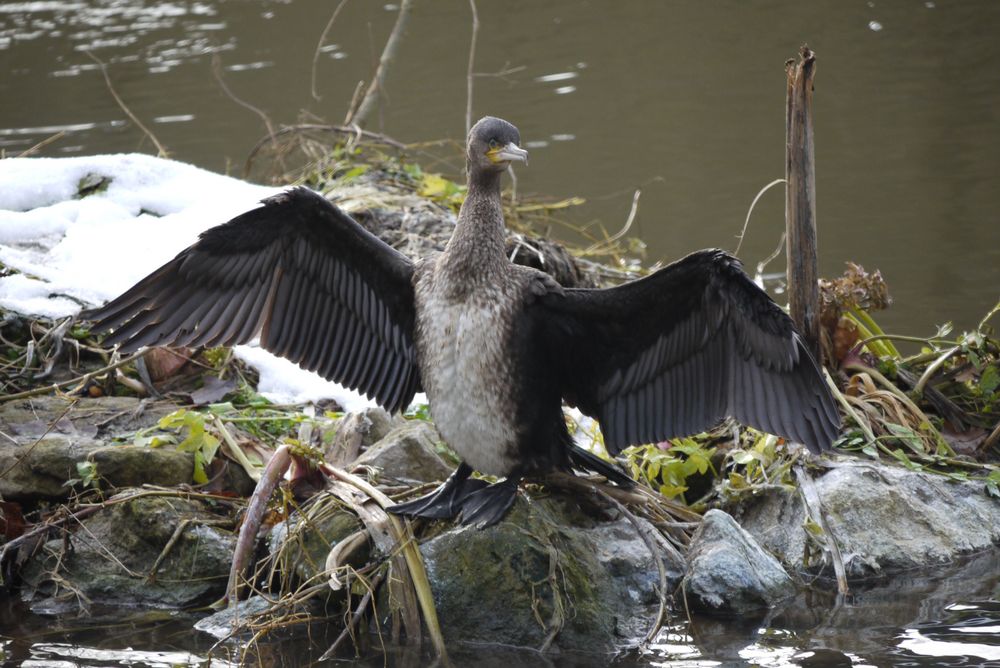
684	100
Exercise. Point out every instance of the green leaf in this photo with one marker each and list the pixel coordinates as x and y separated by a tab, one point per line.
154	440
436	186
812	527
901	456
990	379
172	420
354	173
670	491
200	477
738	481
907	437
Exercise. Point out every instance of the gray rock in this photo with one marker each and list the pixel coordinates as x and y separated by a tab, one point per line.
728	572
231	620
408	453
39	469
27	419
135	465
110	559
884	518
356	431
548	567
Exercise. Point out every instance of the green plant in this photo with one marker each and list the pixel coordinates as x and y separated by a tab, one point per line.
668	470
197	439
88	476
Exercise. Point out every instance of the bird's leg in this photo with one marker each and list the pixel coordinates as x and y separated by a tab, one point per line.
444	502
487	506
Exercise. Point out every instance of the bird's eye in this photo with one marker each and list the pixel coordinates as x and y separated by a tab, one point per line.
494	143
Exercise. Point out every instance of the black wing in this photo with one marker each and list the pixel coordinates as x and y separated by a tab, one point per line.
319	289
673	353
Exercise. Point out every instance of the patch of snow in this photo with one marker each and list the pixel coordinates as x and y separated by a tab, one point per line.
74	252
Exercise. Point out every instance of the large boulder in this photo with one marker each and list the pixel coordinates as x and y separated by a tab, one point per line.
356	431
110	558
884	518
407	454
48	439
728	572
550	571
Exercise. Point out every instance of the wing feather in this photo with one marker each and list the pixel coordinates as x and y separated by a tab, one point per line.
677	351
317	287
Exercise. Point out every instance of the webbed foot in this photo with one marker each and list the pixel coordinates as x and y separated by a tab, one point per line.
446	501
487	506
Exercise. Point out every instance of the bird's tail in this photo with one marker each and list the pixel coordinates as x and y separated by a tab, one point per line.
589	461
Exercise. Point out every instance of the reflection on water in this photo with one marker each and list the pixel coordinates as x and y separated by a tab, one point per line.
950	618
682	99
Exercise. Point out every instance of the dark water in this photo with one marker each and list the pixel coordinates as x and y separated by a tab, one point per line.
682	99
949	618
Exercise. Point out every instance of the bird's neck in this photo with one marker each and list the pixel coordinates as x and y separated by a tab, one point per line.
476	247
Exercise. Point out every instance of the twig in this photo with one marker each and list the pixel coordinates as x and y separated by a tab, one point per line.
101	547
178	531
78	380
319	45
513	184
624	230
388	54
866	428
273	472
766	261
355	618
316	127
42	144
355	101
814	508
217	73
128	112
558	618
469	76
992	439
414	561
918	389
746	223
651	546
236	452
502	73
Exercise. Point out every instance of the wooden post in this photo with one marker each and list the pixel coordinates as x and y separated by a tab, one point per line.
800	200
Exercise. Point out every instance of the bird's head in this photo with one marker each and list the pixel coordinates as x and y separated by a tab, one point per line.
494	144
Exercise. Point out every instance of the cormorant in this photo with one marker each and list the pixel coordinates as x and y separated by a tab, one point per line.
497	347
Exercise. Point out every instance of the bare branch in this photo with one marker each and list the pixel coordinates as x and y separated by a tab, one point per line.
162	152
217	71
42	144
469	75
746	223
388	54
319	45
